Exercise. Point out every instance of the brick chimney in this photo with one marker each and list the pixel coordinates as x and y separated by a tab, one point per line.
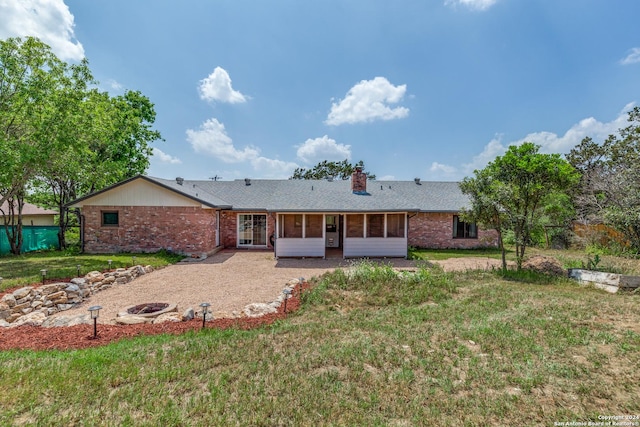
359	181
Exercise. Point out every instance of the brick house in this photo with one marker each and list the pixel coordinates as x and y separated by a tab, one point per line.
294	218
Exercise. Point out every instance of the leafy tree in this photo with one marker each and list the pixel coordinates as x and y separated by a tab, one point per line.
61	138
609	188
38	92
325	169
116	134
510	193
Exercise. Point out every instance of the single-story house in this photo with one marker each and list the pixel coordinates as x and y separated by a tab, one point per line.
32	214
294	218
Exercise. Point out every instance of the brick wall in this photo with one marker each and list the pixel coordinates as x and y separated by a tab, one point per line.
188	230
435	230
229	227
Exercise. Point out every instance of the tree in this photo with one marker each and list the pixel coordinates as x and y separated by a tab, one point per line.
325	169
511	192
61	138
116	135
609	189
38	92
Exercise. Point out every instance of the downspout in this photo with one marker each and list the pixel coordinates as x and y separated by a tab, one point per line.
82	233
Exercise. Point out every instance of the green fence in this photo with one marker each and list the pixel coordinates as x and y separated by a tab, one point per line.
34	238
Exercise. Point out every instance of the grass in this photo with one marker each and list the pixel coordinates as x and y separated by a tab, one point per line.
440	254
25	269
368	347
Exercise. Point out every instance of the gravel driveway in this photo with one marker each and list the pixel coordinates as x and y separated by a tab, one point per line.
229	280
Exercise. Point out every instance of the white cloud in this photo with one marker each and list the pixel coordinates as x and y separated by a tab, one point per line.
49	20
439	167
386	178
368	101
273	168
212	139
217	87
549	143
552	143
325	148
164	157
115	85
471	4
632	58
493	149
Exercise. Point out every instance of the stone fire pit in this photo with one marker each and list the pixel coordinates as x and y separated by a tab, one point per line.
149	310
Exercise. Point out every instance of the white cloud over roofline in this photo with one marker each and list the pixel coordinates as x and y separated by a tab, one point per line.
367	101
164	157
49	20
325	148
212	139
217	87
273	168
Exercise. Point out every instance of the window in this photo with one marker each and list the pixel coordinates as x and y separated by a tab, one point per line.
252	230
375	225
110	219
355	225
313	226
464	230
290	226
395	225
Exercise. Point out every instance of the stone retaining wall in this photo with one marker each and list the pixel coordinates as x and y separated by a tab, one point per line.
33	305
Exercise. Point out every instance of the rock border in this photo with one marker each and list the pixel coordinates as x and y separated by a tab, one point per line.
31	305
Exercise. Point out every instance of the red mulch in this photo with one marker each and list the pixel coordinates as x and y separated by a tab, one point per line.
81	336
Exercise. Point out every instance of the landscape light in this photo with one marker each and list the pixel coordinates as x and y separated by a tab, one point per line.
205	308
287	293
109	261
44	274
95	312
133	261
78	269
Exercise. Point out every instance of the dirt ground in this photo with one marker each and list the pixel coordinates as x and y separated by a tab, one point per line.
229	280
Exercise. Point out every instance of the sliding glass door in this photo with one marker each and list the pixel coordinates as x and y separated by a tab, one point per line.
252	230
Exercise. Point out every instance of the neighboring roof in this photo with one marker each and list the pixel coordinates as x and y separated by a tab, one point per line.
28	209
314	195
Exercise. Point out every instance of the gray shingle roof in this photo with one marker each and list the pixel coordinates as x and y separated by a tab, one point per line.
322	195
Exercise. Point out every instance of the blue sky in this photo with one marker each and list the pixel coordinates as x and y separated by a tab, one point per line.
426	88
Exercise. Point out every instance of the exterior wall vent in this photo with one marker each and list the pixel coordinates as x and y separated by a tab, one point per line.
179	180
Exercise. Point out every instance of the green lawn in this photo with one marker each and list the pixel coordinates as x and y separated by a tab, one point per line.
25	269
367	348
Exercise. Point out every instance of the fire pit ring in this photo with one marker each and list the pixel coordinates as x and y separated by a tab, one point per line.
148	310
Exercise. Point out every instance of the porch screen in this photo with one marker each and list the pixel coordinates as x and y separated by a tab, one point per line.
395	225
313	226
375	225
290	226
355	225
